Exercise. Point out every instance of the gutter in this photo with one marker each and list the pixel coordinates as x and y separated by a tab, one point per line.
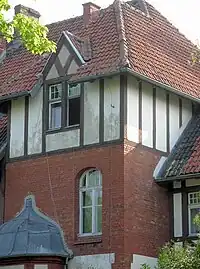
114	73
174	178
14	95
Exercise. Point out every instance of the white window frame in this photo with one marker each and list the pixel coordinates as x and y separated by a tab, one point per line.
94	191
192	206
52	102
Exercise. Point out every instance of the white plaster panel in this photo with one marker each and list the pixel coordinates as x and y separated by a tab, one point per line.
161	120
173	119
177	204
63	55
41	266
177	184
53	73
147	114
17	128
73	68
13	267
99	261
132	110
139	260
186	111
192	182
112	109
62	140
91	112
35	123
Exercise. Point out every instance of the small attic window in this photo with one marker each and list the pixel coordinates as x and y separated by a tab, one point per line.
140	5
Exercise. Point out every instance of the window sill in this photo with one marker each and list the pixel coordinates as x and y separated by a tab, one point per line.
88	239
61	130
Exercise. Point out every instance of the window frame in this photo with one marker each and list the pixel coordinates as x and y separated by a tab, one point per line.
64	100
94	190
190	207
52	102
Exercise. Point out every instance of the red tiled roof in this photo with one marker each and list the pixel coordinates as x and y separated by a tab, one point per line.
185	156
158	50
120	37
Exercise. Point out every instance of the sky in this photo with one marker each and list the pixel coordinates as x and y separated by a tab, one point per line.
184	14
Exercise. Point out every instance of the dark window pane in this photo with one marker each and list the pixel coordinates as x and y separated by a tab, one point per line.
74	111
87	220
87	198
55	121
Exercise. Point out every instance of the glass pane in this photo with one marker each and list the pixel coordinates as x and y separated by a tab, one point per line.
87	220
56	115
99	219
87	198
194	212
74	90
93	178
98	197
55	92
74	111
194	198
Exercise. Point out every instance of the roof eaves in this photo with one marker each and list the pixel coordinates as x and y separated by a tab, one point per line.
14	95
25	93
123	44
162	85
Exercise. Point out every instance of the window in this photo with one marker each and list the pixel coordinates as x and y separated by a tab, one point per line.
55	94
73	112
71	99
193	210
91	203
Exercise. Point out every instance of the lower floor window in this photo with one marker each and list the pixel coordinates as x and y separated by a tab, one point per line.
193	210
91	203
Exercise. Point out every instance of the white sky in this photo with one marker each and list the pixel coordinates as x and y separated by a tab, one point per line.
184	14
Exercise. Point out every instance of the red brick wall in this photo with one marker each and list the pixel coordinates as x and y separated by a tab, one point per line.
135	209
146	204
54	182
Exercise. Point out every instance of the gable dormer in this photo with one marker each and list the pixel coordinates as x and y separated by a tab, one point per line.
68	58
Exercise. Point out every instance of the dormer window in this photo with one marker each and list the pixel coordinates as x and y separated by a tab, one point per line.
63	106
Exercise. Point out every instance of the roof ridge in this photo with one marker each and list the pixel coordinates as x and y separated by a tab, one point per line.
123	45
65	20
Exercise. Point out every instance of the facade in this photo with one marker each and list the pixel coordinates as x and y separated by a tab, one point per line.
98	133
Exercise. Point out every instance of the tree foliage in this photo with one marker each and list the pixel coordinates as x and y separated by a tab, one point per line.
32	34
173	256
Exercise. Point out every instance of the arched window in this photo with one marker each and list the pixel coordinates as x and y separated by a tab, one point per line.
91	202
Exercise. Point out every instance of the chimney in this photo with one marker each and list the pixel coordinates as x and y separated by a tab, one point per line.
27	11
90	12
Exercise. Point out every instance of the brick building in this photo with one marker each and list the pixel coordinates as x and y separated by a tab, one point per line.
92	133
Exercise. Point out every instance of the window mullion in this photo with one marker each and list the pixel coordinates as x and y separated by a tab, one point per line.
93	212
81	212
